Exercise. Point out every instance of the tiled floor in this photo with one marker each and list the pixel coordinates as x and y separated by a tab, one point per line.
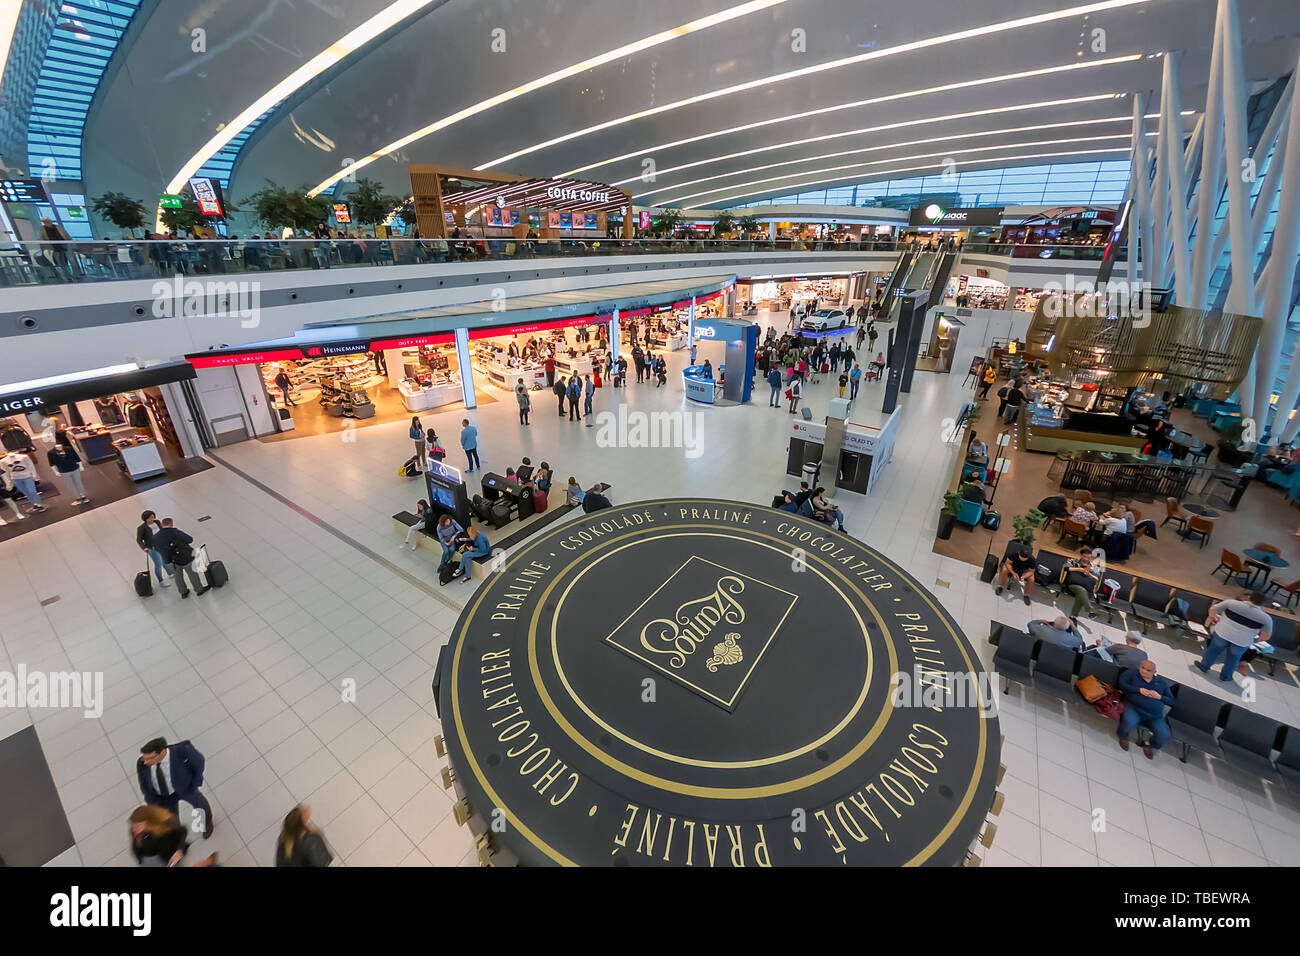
252	673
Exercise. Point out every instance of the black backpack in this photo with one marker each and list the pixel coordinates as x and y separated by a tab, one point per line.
180	552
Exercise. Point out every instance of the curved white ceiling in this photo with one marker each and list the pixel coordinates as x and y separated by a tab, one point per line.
722	96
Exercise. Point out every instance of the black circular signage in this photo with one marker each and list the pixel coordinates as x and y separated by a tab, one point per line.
691	682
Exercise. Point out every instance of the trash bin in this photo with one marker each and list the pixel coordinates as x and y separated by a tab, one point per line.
810	472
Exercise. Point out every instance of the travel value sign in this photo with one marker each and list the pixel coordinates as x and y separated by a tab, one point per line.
643	687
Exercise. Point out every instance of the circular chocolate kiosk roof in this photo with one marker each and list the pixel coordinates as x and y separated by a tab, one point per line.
693	682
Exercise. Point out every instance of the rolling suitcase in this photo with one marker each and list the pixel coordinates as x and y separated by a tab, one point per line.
217	574
143	583
214	572
990	569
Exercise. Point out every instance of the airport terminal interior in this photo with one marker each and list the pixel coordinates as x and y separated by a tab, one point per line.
701	433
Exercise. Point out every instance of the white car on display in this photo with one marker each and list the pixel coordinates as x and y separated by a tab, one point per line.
824	319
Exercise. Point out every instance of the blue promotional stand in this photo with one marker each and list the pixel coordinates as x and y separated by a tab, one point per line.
740	339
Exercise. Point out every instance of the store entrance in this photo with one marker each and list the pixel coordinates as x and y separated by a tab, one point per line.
537	355
320	394
85	454
776	303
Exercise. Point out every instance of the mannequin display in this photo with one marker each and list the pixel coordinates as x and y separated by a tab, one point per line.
69	466
138	416
14	438
21	474
110	413
7	495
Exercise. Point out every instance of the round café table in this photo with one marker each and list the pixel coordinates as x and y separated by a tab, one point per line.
1265	561
1203	511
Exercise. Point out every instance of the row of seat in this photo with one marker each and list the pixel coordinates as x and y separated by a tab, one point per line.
1154	602
1196	719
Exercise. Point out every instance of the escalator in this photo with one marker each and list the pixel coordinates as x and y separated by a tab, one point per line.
938	281
901	268
915	277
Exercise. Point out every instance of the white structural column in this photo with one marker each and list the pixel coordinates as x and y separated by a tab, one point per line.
1286	249
1274	137
1140	211
1159	251
1170	112
1207	194
1241	292
466	362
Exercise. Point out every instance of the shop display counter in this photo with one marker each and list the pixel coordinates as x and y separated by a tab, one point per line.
141	460
503	376
432	396
700	389
674	343
93	447
581	365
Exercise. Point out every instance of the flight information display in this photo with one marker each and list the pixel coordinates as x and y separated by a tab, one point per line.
23	190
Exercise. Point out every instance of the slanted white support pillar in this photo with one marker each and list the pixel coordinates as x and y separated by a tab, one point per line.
1241	293
1274	131
1274	138
1155	266
1137	184
1170	111
1207	193
1281	270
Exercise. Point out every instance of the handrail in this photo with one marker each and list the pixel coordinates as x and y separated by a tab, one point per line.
54	262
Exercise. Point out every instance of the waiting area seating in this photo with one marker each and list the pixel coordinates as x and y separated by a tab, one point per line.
1181	611
1197	720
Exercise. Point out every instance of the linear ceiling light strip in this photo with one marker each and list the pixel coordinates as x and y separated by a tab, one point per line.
342	48
888	126
904	159
856	104
986	30
909	169
627	50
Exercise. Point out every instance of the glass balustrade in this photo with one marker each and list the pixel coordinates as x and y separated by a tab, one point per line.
48	263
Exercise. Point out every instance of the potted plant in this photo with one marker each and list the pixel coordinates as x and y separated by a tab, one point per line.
1024	526
948	514
121	210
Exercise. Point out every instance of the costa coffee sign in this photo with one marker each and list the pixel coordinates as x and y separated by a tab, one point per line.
577	195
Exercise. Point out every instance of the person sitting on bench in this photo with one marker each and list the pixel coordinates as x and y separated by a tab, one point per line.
1019	565
824	510
475	545
1060	632
447	530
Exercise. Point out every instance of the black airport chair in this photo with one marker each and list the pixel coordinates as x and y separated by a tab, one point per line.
995	631
1054	671
1198	609
1248	740
1105	671
1284	641
1125	582
1014	659
1194	718
1048	575
1150	602
1288	759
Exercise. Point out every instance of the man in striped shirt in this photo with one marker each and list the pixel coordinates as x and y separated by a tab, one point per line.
1234	626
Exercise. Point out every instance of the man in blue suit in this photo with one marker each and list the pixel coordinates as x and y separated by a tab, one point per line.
169	775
